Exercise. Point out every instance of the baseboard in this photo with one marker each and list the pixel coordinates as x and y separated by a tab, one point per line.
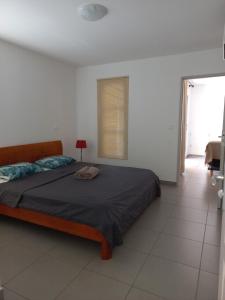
194	155
168	182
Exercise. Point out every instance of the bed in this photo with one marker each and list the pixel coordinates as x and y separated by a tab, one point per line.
101	209
212	156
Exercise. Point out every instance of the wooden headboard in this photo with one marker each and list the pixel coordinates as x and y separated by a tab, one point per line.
29	152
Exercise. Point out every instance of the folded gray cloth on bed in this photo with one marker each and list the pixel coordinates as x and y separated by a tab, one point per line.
87	173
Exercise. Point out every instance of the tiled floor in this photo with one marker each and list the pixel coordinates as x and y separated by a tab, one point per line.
170	253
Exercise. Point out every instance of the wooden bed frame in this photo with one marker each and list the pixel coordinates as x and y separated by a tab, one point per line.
30	153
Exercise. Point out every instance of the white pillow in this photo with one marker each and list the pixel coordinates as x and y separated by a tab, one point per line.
4	179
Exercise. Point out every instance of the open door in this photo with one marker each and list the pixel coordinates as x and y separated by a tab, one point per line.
222	143
183	129
221	205
221	288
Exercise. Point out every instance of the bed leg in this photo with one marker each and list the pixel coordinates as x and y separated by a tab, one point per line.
106	250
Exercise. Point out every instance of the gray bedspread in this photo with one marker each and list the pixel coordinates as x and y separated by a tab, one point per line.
110	203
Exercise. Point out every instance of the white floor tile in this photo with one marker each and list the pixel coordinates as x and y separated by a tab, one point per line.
140	239
92	286
212	235
189	214
9	295
136	294
75	251
178	249
44	279
168	279
124	265
14	260
185	229
214	219
210	259
208	286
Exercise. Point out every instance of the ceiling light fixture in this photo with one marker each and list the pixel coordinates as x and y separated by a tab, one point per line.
92	12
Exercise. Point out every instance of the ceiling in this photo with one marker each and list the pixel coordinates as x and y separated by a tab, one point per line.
133	29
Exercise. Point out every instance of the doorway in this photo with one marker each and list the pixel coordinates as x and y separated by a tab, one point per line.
202	110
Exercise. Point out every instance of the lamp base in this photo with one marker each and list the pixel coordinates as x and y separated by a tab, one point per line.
81	159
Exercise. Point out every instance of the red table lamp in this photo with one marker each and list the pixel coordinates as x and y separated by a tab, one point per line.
81	144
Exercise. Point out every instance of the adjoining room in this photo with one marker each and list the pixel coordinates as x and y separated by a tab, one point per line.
204	123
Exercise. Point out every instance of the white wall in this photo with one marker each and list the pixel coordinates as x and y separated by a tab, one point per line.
205	120
36	98
155	87
41	99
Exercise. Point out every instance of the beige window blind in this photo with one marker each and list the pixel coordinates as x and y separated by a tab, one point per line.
113	117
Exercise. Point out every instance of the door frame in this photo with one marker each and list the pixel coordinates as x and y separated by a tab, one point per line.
180	112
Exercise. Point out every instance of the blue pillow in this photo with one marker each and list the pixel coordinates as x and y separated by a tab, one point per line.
53	162
19	170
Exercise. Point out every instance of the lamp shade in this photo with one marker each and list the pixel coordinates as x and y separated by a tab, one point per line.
81	144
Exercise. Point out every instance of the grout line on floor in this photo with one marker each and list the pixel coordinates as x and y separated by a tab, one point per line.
24	269
15	292
182	219
199	271
182	237
107	276
149	293
142	266
73	279
175	261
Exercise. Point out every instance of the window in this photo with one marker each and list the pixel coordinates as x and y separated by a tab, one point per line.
113	117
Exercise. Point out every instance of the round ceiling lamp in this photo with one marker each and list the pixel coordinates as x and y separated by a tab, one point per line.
92	12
